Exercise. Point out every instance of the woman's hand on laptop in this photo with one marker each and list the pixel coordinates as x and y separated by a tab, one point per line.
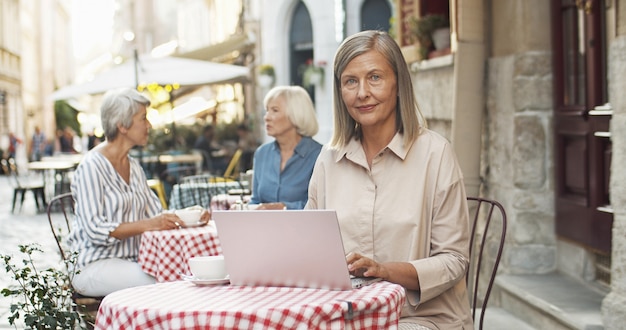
402	273
361	266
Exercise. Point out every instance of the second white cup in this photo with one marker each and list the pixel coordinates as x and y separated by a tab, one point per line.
208	267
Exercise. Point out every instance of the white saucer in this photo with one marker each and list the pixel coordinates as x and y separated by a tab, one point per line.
201	282
197	224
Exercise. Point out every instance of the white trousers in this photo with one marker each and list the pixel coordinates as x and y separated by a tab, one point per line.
102	277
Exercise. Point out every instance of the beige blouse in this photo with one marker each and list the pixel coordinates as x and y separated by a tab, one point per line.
410	206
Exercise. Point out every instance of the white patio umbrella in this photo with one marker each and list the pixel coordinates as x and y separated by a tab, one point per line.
162	70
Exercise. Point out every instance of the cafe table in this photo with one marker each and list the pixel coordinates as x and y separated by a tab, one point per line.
185	305
164	254
54	173
193	158
190	194
225	201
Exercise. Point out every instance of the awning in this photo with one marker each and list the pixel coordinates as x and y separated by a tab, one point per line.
163	71
235	43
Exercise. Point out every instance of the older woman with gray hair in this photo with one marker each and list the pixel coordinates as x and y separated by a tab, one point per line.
396	186
114	204
283	167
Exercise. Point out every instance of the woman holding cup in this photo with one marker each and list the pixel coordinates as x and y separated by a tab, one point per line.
114	204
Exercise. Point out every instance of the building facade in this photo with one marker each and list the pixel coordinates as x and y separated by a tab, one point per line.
35	58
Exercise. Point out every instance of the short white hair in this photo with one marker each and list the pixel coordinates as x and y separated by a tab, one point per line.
300	109
118	107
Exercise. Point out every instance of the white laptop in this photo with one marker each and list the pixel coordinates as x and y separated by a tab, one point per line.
296	248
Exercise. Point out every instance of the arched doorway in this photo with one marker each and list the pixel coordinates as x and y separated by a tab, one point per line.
375	15
300	44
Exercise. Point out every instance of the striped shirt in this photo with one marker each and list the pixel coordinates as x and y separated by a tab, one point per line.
104	201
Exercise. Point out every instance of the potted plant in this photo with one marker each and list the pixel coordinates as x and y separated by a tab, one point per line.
424	28
43	297
267	75
312	73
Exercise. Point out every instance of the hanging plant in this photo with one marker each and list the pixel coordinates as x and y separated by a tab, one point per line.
267	75
312	73
422	29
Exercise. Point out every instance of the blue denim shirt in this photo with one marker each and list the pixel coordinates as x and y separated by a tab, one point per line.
291	186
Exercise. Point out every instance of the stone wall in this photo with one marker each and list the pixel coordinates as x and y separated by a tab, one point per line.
613	311
517	158
434	91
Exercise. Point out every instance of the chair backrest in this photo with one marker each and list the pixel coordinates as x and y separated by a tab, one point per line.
24	180
60	214
200	189
485	214
233	165
196	190
5	166
173	174
10	169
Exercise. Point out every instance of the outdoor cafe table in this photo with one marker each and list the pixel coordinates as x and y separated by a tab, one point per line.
163	254
50	168
190	194
184	305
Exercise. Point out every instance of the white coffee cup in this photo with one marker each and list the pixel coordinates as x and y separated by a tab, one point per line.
190	216
207	267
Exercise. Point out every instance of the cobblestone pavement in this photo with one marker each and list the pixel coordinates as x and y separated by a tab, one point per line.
23	227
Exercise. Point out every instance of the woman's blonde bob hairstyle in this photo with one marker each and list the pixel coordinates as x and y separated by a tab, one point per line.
409	119
300	109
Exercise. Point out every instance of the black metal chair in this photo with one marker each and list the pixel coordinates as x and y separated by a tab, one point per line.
482	242
23	184
63	206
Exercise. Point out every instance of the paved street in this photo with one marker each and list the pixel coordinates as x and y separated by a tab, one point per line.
23	227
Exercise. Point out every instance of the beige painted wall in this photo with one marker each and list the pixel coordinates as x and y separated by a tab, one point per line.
519	26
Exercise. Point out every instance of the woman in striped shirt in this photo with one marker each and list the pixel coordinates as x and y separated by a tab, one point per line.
114	204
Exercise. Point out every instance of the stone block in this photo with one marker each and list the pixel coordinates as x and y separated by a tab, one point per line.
532	200
575	261
533	228
613	311
533	64
529	152
532	93
618	175
530	259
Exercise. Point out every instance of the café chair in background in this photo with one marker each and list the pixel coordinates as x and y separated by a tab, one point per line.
159	189
23	184
201	188
232	170
488	232
60	215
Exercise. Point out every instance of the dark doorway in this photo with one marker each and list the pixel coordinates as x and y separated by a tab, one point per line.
300	44
375	15
582	154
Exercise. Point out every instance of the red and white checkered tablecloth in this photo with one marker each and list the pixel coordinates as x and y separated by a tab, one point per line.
183	305
164	254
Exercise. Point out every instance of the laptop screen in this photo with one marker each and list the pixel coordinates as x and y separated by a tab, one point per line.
297	248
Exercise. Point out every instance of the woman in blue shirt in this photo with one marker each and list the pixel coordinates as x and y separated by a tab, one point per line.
282	168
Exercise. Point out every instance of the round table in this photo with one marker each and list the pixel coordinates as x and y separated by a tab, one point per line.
164	254
184	305
55	175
